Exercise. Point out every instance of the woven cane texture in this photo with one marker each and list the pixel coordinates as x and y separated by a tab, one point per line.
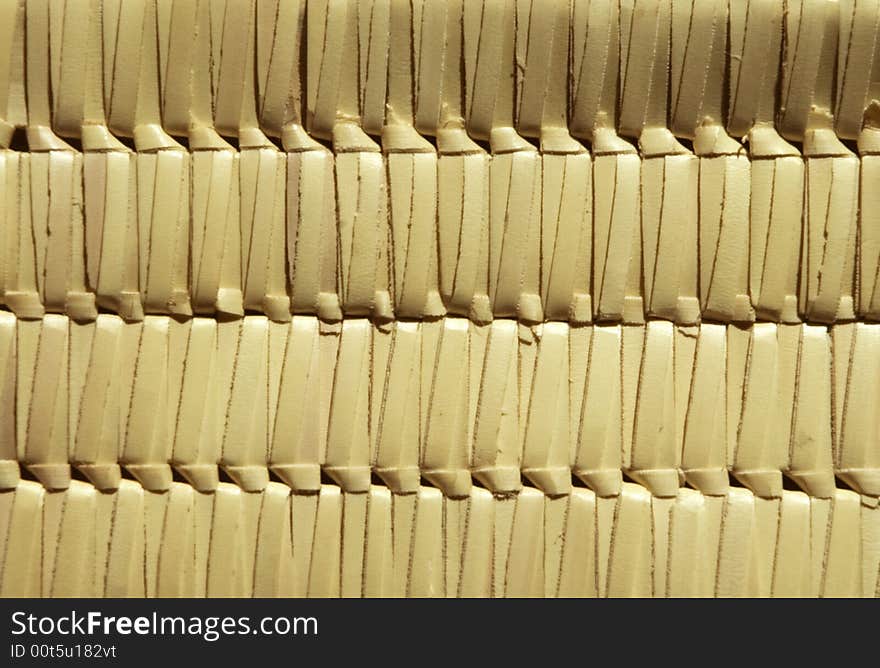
439	298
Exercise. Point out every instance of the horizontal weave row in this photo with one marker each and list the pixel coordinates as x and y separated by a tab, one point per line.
551	235
239	65
447	401
228	544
